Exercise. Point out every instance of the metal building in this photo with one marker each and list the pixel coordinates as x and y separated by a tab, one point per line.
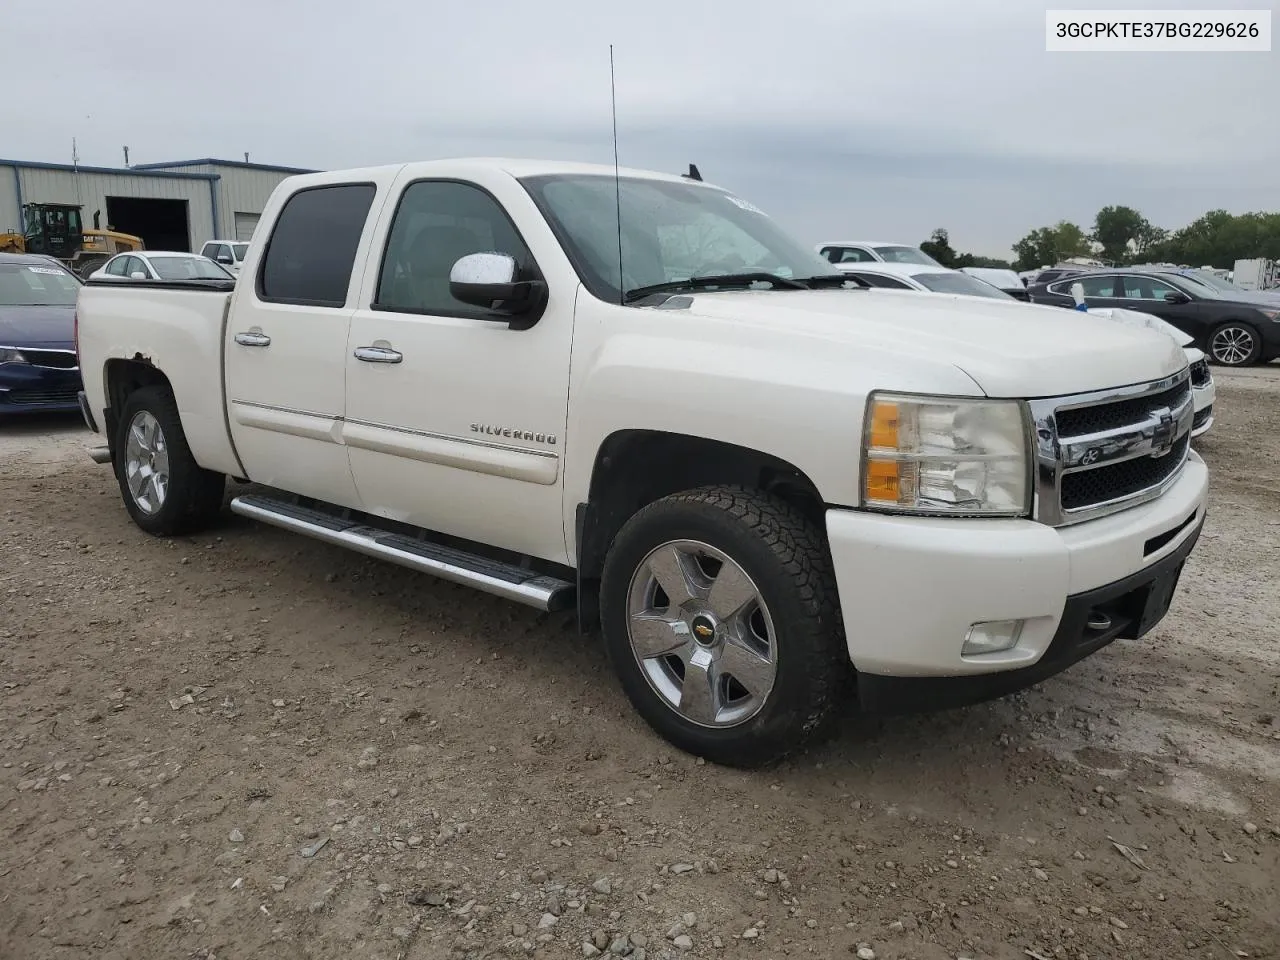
171	206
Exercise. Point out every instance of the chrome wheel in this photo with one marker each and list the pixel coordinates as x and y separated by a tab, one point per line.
701	633
1232	346
146	462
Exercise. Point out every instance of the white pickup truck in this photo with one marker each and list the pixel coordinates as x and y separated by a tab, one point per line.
758	478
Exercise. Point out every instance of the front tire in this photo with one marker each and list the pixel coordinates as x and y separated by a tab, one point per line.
720	617
1234	344
165	491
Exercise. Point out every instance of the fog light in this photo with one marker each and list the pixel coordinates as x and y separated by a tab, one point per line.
991	637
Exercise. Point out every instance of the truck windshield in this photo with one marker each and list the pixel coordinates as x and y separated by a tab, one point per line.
960	283
32	285
240	250
670	231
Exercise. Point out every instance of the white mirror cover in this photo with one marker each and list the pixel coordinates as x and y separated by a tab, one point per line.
484	268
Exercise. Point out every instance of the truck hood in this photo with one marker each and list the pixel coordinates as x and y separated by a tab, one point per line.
1009	348
37	326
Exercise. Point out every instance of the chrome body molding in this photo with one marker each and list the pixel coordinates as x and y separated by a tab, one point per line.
1132	453
330	419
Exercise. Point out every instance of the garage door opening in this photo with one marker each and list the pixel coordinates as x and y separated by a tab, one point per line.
162	224
245	222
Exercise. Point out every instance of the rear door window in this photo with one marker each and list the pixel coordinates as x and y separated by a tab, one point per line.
312	247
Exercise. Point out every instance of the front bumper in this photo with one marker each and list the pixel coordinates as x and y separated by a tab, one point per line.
29	389
911	587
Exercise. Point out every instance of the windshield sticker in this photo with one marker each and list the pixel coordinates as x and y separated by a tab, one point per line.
750	207
52	271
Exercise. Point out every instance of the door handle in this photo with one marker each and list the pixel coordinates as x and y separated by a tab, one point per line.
253	340
378	355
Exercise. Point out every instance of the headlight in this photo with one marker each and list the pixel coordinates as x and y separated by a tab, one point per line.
9	355
1270	314
945	456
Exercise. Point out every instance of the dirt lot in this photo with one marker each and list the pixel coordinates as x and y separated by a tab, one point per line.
248	745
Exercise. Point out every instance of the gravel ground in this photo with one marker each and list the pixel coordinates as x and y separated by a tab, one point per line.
248	745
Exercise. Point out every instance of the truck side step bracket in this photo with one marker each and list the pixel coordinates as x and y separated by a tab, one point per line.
449	563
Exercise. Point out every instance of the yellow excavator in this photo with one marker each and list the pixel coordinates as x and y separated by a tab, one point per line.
56	230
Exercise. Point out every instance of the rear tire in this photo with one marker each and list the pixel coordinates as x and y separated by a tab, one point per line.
165	491
86	265
744	660
1234	344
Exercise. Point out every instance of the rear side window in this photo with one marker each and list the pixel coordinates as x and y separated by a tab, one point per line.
312	246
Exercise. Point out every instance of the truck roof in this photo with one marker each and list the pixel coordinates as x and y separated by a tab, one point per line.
515	167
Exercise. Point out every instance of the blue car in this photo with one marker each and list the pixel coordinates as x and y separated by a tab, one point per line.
39	370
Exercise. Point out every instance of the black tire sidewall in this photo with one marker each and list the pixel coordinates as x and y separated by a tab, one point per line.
802	640
1253	332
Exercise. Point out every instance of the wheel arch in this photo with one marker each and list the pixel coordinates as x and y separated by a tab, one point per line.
122	377
636	467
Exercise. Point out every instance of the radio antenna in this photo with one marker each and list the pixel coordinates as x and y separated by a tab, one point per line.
617	179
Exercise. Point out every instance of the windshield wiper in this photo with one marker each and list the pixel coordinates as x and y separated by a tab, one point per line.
701	283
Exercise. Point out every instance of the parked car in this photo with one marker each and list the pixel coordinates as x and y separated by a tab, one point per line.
161	265
1005	280
39	371
873	251
1232	331
228	253
749	471
911	276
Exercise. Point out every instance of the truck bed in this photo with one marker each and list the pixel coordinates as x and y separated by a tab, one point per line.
176	326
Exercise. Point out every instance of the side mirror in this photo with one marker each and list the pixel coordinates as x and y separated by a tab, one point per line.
489	280
225	258
1176	297
137	275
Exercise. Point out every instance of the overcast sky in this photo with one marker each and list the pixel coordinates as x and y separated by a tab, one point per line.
848	119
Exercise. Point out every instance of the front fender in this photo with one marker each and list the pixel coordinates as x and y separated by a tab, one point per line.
799	399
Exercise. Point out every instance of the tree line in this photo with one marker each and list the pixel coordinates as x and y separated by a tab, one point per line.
1121	235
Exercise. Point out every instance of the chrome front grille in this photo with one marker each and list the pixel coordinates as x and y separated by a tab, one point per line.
1099	453
49	359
